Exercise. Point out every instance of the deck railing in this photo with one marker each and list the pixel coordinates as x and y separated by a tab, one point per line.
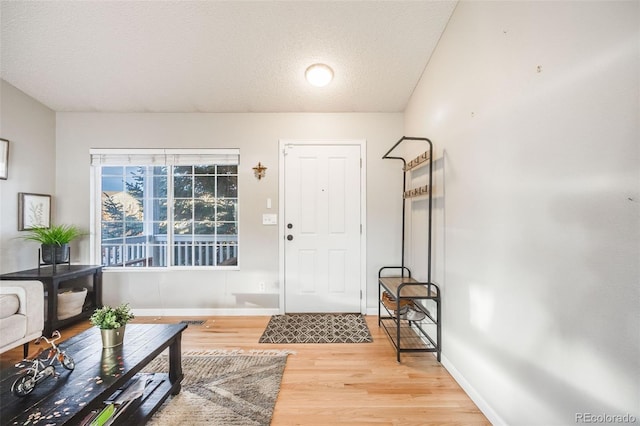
188	250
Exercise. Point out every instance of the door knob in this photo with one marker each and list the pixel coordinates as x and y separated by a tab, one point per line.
289	237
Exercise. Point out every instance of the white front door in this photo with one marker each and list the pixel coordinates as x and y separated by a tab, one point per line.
322	228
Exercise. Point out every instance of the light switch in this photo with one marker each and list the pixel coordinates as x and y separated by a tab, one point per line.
268	203
269	219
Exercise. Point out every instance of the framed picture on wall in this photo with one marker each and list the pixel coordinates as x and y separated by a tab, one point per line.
4	159
34	211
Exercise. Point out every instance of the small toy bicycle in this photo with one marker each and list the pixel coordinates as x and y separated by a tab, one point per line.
37	368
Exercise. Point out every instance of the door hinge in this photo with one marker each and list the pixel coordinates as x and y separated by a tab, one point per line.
361	163
360	294
360	229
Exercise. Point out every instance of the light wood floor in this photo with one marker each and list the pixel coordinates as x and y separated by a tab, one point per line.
329	384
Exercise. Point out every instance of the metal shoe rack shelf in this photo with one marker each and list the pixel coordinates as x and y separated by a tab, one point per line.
411	335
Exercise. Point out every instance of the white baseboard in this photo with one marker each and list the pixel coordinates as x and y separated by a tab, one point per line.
203	312
482	404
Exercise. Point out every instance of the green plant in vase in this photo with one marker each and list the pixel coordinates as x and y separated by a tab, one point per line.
111	322
54	241
108	318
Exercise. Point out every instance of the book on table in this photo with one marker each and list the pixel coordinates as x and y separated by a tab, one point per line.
119	402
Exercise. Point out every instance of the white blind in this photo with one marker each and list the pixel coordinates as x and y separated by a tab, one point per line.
164	157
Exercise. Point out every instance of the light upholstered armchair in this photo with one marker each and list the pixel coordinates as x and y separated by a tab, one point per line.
21	313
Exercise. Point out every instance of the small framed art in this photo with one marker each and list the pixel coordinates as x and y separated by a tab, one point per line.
34	211
4	159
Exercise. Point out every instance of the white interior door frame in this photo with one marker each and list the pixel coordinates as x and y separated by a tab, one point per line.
362	143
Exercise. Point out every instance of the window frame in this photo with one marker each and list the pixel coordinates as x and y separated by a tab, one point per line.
168	154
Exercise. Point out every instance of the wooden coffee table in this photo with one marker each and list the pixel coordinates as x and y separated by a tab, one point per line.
71	396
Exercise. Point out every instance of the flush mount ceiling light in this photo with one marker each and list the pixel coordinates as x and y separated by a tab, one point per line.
319	75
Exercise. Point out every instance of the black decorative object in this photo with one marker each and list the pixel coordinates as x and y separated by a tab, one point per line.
52	254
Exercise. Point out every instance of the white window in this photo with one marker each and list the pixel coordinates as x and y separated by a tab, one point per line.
165	208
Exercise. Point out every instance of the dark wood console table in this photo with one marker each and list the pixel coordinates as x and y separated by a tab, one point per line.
51	281
99	374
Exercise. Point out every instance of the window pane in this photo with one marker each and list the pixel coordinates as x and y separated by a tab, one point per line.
182	210
205	228
113	171
203	210
111	184
112	232
204	252
204	187
135	254
131	170
160	231
159	170
227	170
227	186
134	229
183	227
227	253
182	186
158	255
159	207
133	207
112	254
204	170
182	253
182	170
160	186
226	229
227	210
228	261
134	181
112	209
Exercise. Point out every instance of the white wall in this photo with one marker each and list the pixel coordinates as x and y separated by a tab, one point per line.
257	136
30	128
534	108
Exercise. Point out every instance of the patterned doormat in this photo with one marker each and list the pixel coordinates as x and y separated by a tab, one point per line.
317	328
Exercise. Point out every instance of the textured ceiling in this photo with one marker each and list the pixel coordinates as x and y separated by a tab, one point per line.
218	56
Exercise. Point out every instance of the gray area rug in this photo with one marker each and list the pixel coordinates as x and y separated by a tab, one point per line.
317	328
223	388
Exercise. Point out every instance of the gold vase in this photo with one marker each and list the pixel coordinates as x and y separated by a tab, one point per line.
113	337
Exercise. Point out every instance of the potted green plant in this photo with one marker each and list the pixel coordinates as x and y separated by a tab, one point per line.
54	241
111	322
